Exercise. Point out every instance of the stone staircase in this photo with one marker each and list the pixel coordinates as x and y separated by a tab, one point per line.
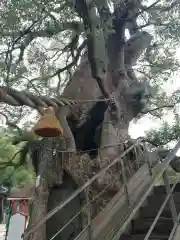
140	226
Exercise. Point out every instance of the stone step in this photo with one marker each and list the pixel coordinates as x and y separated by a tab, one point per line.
161	189
141	226
142	236
150	211
154	199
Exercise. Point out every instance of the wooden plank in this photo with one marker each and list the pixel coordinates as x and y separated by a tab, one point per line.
120	196
138	183
136	186
110	215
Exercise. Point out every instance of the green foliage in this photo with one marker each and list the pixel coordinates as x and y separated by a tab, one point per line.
11	172
172	176
167	133
25	136
17	177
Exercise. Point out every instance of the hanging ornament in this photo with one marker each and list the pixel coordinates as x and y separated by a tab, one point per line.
48	125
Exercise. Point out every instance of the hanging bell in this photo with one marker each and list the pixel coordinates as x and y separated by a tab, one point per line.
48	125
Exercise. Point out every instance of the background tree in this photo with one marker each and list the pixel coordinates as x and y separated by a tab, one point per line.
85	50
13	172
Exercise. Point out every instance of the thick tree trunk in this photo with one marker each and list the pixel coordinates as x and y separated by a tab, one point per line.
38	211
93	125
62	217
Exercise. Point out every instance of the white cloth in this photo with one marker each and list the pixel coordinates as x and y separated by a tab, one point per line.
16	227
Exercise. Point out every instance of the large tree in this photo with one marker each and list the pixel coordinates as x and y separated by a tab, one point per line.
112	55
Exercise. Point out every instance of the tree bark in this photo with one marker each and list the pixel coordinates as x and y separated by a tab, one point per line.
57	195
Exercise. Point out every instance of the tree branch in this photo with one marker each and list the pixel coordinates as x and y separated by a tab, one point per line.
145	8
50	31
60	70
85	12
75	60
11	124
162	8
27	36
18	152
157	108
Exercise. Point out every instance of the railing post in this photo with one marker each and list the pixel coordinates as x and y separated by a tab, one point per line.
124	178
147	158
171	200
89	213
